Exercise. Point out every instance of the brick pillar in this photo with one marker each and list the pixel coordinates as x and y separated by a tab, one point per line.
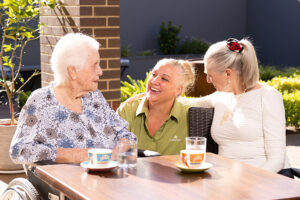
97	18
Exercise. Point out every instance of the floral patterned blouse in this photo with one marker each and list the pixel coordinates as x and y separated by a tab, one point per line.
45	125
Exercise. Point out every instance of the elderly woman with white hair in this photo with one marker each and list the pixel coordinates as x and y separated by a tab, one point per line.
61	121
249	117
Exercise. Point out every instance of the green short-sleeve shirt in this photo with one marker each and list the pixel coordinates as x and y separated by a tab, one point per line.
170	137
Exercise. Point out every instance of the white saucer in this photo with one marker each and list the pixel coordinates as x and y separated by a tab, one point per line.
204	166
89	167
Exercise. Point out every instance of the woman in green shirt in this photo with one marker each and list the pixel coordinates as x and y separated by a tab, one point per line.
158	120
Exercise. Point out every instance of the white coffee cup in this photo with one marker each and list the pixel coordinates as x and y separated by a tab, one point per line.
99	157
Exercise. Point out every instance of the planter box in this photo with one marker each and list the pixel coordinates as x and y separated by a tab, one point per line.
6	135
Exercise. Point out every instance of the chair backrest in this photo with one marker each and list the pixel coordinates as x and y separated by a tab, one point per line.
200	120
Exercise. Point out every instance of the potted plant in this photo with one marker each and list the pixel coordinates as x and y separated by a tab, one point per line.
18	27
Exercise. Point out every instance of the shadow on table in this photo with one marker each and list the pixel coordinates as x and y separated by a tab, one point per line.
163	173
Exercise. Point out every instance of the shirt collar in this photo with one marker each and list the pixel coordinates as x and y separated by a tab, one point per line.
143	108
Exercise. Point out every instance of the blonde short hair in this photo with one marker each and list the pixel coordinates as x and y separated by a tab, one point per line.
70	50
187	75
244	63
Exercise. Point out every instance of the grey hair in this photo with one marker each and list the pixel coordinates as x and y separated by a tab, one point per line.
188	73
69	51
244	63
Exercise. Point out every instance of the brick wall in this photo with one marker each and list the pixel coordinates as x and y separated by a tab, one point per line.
97	18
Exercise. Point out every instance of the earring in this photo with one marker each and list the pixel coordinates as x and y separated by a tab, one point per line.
228	81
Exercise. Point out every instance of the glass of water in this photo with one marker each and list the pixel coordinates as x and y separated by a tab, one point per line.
127	153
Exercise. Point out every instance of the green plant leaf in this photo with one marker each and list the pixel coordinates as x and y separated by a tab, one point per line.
10	37
7	47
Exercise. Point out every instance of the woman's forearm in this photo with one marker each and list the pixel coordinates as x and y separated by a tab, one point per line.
71	155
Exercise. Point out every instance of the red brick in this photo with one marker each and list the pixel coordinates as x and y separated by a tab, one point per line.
87	31
107	11
43	20
110	53
86	11
107	32
63	21
66	11
47	49
59	31
114	84
46	67
109	74
102	42
114	63
111	94
44	84
48	40
92	2
114	43
102	85
92	22
47	77
113	2
71	2
103	63
45	58
114	21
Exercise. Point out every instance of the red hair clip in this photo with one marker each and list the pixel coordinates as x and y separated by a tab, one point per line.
234	45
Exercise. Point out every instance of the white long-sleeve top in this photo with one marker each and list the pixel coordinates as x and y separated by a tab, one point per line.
249	127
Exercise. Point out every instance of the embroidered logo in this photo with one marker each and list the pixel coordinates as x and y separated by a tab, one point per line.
175	139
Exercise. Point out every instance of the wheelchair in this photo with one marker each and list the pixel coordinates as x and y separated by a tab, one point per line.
30	188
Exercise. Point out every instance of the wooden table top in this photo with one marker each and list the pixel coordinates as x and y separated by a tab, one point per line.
158	178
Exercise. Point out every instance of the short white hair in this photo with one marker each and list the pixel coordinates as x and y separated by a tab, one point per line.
70	50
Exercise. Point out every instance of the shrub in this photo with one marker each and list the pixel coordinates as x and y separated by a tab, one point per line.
125	51
292	108
266	73
23	96
289	88
194	46
167	38
147	53
133	88
286	84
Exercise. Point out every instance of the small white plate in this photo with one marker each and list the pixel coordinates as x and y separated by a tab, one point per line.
204	166
89	167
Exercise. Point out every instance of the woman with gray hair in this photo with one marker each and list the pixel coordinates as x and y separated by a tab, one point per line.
249	118
158	120
61	121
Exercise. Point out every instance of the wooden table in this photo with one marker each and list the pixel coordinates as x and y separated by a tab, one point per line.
158	178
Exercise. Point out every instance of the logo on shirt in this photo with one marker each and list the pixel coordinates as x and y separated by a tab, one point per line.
175	139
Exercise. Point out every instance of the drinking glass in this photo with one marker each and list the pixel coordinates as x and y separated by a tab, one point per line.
127	153
195	143
196	146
